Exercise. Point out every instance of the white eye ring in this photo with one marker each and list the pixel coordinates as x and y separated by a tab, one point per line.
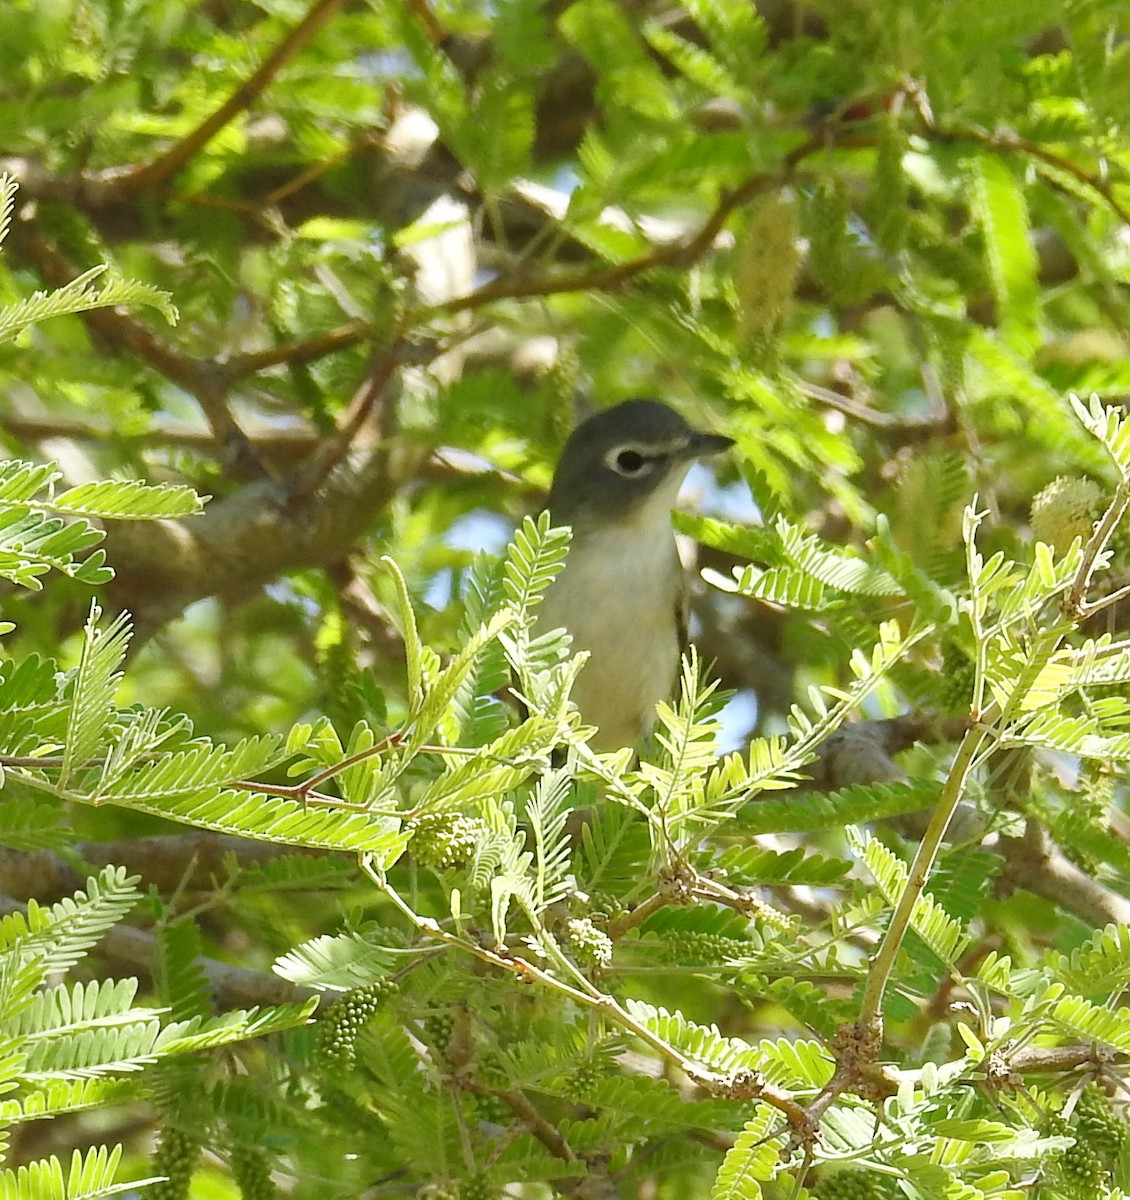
629	462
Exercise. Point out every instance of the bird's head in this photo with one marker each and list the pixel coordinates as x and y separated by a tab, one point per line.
625	461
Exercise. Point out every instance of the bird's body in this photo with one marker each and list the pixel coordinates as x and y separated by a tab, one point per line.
631	618
621	592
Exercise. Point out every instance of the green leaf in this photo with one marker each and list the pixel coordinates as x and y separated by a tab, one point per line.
439	693
547	810
185	772
533	560
87	1178
1110	426
28	824
703	1043
692	61
94	689
337	963
1002	211
833	568
57	1097
1093	1023
20	481
753	865
800	1064
1075	735
945	936
32	543
8	189
1099	967
629	79
1013	384
776	763
786	587
72	1008
82	295
1075	829
413	647
745	541
59	935
499	767
735	29
752	1158
688	736
128	499
180	972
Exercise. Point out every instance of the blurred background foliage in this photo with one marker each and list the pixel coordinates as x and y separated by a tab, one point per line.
410	245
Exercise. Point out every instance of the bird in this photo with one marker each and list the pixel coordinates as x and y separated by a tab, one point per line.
621	594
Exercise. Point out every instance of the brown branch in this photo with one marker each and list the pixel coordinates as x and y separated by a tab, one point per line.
43	426
367	139
194	861
1010	142
1091	608
112	324
595	1184
161	169
1033	863
430	23
680	253
546	1133
208	379
281	450
620	925
201	377
332	452
295	354
911	430
1048	1060
249	538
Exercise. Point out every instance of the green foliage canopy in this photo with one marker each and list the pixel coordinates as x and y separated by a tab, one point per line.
346	269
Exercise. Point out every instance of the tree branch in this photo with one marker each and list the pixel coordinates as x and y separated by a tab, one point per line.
192	861
297	353
1033	863
245	540
203	378
160	170
1008	141
680	253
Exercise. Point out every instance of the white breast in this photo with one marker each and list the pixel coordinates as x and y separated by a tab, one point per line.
618	595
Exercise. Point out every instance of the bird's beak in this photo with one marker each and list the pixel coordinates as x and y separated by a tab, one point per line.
702	445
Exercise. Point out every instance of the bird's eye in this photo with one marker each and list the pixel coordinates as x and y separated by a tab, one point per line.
629	462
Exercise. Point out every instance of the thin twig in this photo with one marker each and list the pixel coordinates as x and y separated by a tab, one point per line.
335	448
1088	610
365	140
881	965
1096	544
1009	141
297	353
160	170
622	924
744	1085
673	254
